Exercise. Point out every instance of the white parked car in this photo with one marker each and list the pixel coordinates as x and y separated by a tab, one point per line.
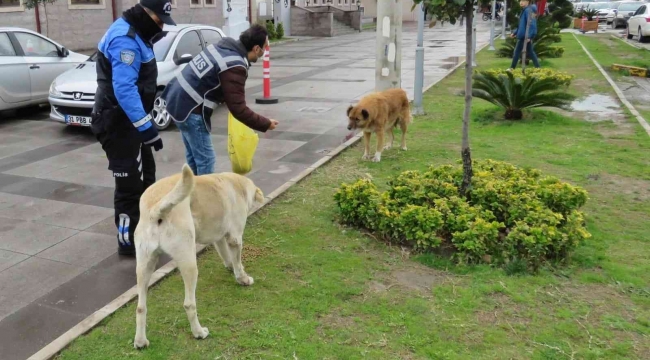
622	13
612	12
72	94
580	4
639	24
603	9
29	62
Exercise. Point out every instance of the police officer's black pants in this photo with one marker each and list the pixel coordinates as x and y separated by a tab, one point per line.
134	170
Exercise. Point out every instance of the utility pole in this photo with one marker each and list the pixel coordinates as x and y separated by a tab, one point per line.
505	15
492	25
419	62
474	36
388	64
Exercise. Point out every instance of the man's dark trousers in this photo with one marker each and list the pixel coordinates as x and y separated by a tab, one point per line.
530	53
134	170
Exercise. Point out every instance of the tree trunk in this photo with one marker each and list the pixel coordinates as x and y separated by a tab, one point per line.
47	24
469	59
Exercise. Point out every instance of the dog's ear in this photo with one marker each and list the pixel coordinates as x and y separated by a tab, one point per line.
365	114
350	109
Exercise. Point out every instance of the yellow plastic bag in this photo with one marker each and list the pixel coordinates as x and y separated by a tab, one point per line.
242	143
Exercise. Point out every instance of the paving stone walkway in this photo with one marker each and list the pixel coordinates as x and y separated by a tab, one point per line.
58	261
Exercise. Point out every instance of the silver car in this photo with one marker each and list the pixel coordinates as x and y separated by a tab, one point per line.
29	62
623	12
72	94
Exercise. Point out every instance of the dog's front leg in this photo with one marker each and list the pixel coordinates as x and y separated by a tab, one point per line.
366	145
235	244
380	144
222	248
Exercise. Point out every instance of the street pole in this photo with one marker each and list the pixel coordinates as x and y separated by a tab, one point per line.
492	25
388	62
505	15
474	36
419	62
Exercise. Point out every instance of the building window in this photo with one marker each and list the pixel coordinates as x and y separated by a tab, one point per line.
196	3
209	3
86	4
11	6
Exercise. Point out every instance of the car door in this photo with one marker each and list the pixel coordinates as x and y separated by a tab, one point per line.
15	86
635	20
189	43
210	36
44	60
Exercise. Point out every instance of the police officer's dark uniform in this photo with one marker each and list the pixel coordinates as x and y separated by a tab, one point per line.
127	84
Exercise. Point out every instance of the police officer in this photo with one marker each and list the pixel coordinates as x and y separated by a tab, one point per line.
122	123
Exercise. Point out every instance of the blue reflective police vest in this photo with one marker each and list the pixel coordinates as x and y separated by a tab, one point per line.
126	79
198	83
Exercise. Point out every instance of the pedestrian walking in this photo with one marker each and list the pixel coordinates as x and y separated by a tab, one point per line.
216	75
528	12
121	120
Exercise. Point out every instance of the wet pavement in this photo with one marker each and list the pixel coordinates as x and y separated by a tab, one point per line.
58	261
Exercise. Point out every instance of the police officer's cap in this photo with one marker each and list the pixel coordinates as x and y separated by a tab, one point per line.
162	8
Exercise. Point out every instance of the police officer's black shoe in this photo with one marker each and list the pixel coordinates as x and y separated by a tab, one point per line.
126	250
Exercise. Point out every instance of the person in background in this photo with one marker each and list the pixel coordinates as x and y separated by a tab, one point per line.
126	88
528	12
218	74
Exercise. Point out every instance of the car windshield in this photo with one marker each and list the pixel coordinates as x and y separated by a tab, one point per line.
160	48
629	7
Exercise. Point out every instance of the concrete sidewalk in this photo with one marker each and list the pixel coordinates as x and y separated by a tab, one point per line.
57	238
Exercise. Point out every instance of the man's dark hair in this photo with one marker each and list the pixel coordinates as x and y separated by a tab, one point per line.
255	35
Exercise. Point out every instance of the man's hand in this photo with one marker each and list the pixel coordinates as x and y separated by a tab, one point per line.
274	124
513	36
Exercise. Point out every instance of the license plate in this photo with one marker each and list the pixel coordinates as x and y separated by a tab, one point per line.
78	120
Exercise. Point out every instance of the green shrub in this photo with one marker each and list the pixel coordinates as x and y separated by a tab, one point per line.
270	29
279	31
513	215
561	78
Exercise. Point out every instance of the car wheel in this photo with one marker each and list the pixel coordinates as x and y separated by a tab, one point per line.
642	38
161	118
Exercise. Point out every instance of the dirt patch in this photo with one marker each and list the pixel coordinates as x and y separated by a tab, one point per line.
503	311
586	84
336	320
412	277
636	189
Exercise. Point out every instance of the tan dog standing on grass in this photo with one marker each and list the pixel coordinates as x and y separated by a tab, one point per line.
181	210
380	112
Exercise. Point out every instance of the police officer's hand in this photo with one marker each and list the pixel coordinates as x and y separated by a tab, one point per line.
151	138
157	145
274	124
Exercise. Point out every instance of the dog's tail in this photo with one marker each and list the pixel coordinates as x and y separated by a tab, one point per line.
180	192
259	195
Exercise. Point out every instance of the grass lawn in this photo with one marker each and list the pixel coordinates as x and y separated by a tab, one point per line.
323	291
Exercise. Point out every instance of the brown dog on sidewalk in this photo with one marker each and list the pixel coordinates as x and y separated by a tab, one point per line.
181	210
380	112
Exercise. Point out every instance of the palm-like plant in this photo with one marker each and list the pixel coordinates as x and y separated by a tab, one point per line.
514	94
589	13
